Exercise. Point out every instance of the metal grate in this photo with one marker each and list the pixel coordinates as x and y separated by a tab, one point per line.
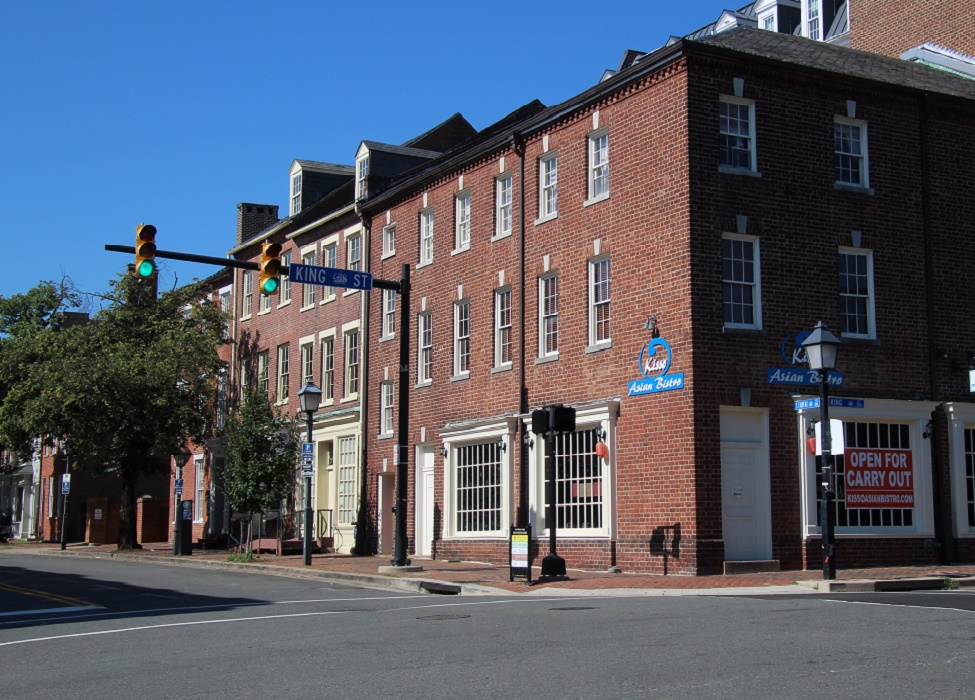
579	482
477	487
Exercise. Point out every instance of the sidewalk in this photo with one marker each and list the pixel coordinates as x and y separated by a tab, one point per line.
478	578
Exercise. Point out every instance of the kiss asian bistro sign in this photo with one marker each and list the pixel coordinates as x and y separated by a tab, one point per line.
654	363
794	355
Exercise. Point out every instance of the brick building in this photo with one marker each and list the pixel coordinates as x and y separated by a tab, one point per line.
651	252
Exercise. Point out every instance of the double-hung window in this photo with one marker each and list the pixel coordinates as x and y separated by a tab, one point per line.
462	221
424	365
245	378
426	236
328	368
263	369
856	293
284	372
247	293
386	409
361	175
740	277
850	146
285	295
599	302
199	483
737	133
307	363
389	240
351	363
307	290
295	193
598	165
813	19
329	259
502	204
265	303
389	313
502	328
353	252
548	316
347	479
548	186
462	338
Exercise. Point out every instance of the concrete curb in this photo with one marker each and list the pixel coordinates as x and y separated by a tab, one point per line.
388	582
921	583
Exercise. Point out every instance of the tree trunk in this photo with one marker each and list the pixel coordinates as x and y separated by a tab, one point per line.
126	515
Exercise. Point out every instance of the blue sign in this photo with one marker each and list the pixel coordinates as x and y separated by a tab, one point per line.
833	402
329	276
802	377
654	370
65	484
307	448
178	486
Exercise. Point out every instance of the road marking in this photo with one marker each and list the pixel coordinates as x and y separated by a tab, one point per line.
896	605
256	618
53	597
51	611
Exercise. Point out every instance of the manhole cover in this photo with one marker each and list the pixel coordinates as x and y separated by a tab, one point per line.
443	617
574	608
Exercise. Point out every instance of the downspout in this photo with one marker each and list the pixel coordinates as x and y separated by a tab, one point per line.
942	510
364	544
518	146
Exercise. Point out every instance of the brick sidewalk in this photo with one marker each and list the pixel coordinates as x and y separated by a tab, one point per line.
494	576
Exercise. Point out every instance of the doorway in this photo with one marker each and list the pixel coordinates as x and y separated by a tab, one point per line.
746	512
424	501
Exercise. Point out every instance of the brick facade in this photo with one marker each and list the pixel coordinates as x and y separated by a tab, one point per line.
891	28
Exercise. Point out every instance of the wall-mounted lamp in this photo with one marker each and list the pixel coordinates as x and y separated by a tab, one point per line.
443	451
651	325
526	439
598	434
928	430
501	444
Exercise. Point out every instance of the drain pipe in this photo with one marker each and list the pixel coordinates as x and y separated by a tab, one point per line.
363	541
518	146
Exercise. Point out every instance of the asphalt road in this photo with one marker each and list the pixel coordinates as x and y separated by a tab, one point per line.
78	628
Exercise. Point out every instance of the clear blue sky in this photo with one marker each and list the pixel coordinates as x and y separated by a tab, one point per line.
116	113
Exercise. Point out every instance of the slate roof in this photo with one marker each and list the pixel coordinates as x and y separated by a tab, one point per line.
841	59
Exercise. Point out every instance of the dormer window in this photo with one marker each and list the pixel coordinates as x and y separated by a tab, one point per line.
295	193
813	20
361	173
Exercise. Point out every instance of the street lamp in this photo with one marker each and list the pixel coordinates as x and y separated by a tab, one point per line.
820	347
179	459
64	493
309	399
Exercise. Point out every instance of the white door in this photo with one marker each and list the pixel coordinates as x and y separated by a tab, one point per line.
424	502
387	519
745	490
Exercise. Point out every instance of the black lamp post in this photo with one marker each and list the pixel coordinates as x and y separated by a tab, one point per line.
64	494
309	398
821	346
179	459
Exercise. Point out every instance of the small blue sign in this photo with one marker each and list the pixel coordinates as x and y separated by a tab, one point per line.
329	276
178	486
308	448
801	377
834	402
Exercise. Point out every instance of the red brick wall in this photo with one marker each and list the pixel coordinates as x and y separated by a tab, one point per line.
102	521
891	28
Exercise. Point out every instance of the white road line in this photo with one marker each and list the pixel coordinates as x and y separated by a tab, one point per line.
896	605
278	617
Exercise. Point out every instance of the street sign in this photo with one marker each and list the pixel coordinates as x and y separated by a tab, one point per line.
65	484
307	458
178	487
834	402
329	276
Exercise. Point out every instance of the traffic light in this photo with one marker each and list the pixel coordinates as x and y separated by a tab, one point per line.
270	268
145	250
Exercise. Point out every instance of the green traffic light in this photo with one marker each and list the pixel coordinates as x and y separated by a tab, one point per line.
146	268
270	285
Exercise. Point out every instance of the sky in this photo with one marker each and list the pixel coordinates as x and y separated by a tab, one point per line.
121	113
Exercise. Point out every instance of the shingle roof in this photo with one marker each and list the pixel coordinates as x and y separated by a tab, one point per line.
841	59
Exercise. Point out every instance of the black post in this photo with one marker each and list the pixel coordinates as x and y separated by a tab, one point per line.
64	497
827	516
306	545
178	517
552	564
403	422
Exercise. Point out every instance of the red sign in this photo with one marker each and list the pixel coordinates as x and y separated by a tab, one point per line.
877	478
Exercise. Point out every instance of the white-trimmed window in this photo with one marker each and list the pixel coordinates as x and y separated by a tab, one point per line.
502	328
263	370
389	314
386	409
741	281
307	290
462	221
247	293
813	20
295	193
961	451
502	204
856	293
598	165
284	372
737	133
223	383
426	236
351	338
245	378
599	302
361	173
389	240
768	22
328	368
347	481
850	146
285	295
329	259
424	365
462	338
199	503
548	316
307	363
353	253
265	303
224	296
548	186
476	483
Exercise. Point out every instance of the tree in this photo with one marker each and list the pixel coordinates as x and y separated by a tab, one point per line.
262	454
129	387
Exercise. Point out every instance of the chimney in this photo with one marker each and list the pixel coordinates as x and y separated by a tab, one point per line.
254	218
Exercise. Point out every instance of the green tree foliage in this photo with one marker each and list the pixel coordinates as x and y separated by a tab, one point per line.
129	387
262	455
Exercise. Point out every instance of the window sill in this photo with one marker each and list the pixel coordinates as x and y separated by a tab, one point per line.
461	377
284	303
546	359
847	187
350	398
245	318
743	330
387	338
421	265
323	302
455	251
500	236
307	308
265	312
599	347
421	385
859	340
385	436
503	368
547	217
595	200
387	256
747	172
350	293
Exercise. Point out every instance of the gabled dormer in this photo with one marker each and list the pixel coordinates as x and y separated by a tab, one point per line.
778	15
819	16
311	180
731	19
